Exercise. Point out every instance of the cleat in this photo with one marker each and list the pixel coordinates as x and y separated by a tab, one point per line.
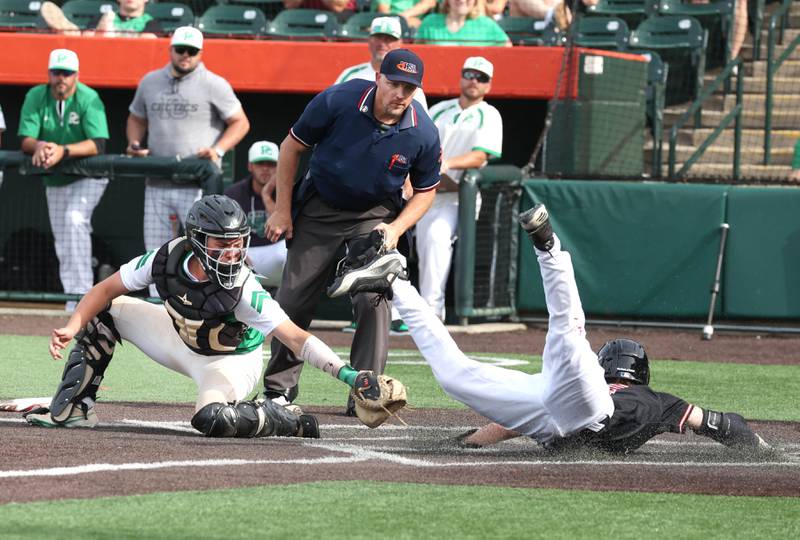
309	427
536	221
81	416
351	328
286	404
398	328
351	407
376	276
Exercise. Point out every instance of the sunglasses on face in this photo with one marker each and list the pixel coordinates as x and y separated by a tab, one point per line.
191	51
474	75
61	72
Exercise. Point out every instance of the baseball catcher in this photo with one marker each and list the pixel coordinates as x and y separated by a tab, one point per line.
211	328
580	399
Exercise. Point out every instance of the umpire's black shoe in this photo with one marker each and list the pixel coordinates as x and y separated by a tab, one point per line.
536	221
309	427
351	407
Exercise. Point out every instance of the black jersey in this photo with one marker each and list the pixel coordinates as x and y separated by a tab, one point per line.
640	413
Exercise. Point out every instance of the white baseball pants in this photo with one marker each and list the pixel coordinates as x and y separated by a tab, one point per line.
269	261
70	208
435	234
218	378
568	395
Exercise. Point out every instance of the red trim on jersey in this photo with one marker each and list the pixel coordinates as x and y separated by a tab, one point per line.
364	96
681	427
413	114
298	139
423	190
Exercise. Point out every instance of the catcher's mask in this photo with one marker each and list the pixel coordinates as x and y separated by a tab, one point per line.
220	235
624	359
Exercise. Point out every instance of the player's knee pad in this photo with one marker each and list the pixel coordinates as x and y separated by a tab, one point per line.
730	429
85	365
252	419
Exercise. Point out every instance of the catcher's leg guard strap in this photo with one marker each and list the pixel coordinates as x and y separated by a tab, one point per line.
730	429
85	366
246	419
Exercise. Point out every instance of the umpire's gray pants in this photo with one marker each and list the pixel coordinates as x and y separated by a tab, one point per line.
319	232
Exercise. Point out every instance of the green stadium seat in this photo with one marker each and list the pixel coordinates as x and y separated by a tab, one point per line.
528	31
225	20
610	33
270	8
82	12
681	43
306	24
171	15
357	26
21	14
632	11
716	18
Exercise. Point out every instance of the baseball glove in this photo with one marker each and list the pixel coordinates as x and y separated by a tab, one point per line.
377	398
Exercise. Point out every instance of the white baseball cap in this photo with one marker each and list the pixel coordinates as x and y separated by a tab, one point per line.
479	63
263	151
386	25
63	59
188	36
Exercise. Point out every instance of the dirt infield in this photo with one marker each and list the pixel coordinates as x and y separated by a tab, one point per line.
149	447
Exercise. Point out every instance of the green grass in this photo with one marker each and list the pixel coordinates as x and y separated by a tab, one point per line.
351	510
765	392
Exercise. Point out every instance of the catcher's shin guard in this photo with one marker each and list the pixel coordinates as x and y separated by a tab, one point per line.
253	419
85	366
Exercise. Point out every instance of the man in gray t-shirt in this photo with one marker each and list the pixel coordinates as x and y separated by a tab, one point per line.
185	110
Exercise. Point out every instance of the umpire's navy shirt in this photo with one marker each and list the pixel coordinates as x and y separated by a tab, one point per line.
356	165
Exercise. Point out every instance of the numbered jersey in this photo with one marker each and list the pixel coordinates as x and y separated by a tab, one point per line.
210	320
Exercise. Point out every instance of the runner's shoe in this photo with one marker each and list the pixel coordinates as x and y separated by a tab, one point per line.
536	221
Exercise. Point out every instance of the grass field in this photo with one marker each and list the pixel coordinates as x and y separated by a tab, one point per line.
328	509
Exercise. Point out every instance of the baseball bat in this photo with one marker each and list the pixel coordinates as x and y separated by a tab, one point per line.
708	329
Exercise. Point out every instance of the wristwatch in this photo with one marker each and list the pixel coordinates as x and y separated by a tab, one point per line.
220	152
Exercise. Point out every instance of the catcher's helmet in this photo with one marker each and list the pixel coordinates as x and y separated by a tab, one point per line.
218	216
624	359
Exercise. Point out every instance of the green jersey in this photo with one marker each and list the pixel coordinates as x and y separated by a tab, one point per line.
132	24
395	6
80	117
479	32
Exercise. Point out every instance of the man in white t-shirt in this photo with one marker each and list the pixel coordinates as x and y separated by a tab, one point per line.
471	133
385	34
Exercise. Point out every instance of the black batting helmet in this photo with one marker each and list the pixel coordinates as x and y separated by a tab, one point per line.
624	359
220	217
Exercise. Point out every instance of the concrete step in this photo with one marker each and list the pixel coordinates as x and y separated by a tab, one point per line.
763	173
723	154
781	103
750	119
789	68
747	49
758	85
782	138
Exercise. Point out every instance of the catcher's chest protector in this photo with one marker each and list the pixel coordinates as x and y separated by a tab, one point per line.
202	313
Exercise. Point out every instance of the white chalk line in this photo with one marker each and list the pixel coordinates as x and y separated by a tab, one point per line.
356	454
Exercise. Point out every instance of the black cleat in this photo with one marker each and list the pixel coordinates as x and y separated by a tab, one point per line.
536	221
351	407
309	427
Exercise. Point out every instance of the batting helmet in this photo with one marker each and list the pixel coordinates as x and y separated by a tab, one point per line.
624	359
220	217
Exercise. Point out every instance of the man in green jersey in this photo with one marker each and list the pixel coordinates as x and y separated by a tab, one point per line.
60	120
129	20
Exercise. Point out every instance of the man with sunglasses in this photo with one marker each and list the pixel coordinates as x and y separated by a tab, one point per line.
471	132
59	120
181	110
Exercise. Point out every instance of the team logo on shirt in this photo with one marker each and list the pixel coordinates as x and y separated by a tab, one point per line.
408	67
73	119
173	106
398	159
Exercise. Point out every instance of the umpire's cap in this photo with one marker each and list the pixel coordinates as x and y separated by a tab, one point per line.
402	65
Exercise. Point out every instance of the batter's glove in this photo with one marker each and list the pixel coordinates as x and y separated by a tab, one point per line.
377	397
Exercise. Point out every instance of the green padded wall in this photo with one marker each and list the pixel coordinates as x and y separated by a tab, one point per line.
762	270
640	250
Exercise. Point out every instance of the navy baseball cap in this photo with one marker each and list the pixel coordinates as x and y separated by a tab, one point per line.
402	65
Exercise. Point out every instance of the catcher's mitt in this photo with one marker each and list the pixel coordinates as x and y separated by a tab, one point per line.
377	398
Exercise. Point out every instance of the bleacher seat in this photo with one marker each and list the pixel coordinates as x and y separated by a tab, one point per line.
20	14
357	26
304	24
610	33
632	11
82	12
171	15
657	73
681	42
716	18
528	31
270	8
226	20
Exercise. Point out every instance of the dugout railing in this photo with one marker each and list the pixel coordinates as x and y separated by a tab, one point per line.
28	271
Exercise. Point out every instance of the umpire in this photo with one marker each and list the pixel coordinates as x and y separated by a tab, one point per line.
367	138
